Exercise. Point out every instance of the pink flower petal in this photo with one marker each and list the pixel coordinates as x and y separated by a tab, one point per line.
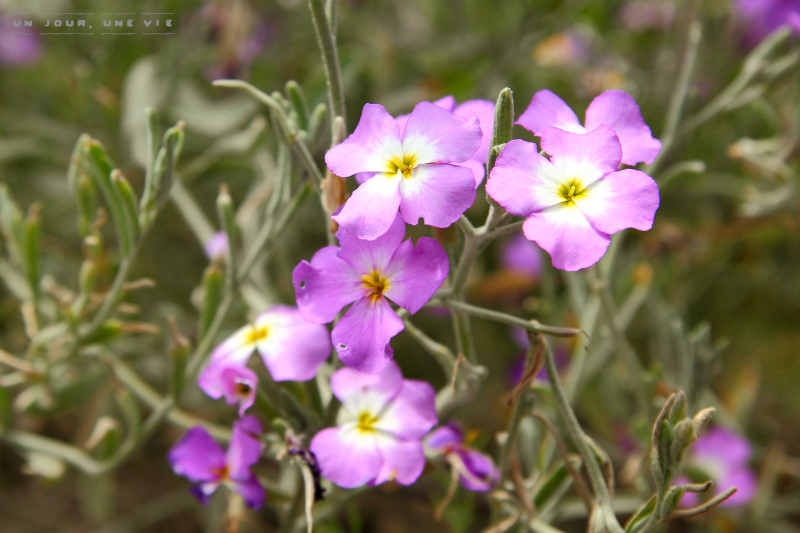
548	110
244	449
366	392
567	236
624	199
619	111
484	110
370	148
196	456
437	193
362	335
252	492
433	134
325	285
346	457
371	208
294	348
415	274
403	462
522	181
585	156
412	413
371	256
478	169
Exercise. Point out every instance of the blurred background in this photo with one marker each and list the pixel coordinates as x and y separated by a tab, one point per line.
720	267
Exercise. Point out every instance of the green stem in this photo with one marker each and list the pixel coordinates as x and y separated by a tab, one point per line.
330	56
575	431
488	314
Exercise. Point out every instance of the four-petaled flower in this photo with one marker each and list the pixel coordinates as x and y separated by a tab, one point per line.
200	459
615	109
414	171
292	350
367	273
576	199
381	423
476	471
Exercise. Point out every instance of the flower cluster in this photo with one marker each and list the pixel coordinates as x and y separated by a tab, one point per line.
424	165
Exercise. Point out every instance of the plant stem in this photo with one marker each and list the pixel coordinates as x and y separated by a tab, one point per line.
576	433
480	312
330	56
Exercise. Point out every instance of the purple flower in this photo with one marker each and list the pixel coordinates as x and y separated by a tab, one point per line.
291	348
367	273
576	199
18	45
724	456
217	246
413	171
201	460
476	471
615	109
765	16
234	381
380	427
516	370
521	256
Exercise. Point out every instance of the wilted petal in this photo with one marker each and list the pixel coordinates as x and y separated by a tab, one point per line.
412	413
624	199
370	148
433	134
437	193
619	111
567	236
360	392
370	210
362	335
293	349
366	256
346	456
325	285
244	449
415	274
587	156
252	492
197	456
522	181
403	461
548	110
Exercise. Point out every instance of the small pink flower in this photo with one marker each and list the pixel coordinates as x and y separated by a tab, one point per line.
414	172
575	200
216	247
476	471
201	460
368	274
292	350
380	427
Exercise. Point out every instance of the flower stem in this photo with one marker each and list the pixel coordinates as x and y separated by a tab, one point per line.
575	431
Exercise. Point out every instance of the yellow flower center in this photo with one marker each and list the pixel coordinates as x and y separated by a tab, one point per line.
366	422
404	166
571	190
257	334
376	284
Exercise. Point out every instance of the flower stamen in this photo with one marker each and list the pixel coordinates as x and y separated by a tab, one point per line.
257	334
376	284
366	422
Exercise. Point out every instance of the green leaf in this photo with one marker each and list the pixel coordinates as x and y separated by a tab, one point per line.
640	518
